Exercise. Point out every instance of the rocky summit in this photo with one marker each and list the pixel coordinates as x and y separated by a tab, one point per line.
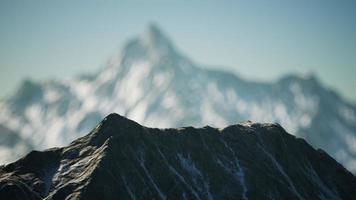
120	159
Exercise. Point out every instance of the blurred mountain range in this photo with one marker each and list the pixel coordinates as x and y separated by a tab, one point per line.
153	83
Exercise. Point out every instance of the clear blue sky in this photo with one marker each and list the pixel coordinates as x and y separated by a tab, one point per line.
262	40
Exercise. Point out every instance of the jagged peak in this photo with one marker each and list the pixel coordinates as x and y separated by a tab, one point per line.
112	126
114	118
154	37
154	31
153	43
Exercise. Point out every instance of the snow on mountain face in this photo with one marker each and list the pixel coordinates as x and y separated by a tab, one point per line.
122	159
151	82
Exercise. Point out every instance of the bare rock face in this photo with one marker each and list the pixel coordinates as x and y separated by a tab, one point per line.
121	159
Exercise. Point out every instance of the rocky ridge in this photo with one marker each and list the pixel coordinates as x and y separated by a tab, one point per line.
120	158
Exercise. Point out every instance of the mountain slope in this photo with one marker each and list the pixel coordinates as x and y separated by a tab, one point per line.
121	158
150	80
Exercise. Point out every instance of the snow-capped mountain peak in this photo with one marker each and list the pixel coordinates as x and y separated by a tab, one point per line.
153	46
155	38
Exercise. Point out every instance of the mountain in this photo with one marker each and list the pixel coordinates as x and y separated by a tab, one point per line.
153	83
120	158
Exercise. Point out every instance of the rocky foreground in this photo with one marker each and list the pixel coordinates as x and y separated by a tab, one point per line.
121	159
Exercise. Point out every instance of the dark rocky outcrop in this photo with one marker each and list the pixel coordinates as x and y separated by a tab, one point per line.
121	159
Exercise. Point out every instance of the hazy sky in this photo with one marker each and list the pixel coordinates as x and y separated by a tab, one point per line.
256	39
